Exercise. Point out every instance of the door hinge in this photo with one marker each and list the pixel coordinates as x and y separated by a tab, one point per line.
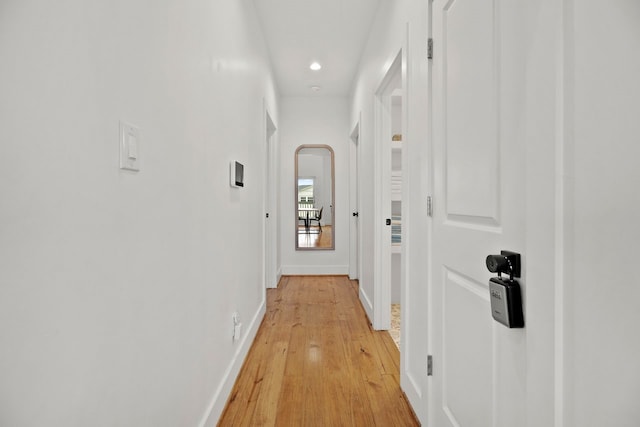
429	206
430	48
429	365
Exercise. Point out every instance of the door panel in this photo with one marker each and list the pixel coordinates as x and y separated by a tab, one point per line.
471	142
478	375
467	374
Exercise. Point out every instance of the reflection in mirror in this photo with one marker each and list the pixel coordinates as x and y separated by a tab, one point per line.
314	198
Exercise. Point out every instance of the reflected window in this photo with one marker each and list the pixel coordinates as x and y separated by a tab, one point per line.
305	191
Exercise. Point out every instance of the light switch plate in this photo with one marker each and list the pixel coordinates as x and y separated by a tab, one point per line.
129	147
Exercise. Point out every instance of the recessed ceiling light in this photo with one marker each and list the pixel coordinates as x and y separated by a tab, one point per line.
315	88
315	66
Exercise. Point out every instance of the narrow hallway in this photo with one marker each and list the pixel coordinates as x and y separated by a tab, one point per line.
316	361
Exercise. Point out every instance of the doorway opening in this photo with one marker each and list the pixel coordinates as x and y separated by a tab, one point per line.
389	117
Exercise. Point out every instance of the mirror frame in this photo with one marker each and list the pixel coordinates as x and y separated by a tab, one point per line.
333	198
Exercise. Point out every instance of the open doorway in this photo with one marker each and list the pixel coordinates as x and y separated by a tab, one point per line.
396	214
389	114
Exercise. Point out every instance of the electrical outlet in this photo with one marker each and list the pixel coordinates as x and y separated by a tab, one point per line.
237	332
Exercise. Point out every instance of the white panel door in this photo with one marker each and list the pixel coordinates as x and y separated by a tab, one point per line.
354	201
478	364
271	212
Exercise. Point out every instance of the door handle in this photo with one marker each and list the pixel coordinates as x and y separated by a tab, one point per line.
507	262
355	214
388	221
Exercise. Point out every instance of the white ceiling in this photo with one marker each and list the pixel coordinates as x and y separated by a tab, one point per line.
331	32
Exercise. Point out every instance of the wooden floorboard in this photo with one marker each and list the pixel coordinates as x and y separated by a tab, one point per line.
316	361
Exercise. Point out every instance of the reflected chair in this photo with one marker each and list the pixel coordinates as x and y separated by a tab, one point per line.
317	217
302	216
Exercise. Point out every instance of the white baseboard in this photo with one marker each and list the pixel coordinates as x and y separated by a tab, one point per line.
219	399
366	303
320	270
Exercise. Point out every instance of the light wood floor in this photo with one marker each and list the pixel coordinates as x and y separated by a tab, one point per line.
315	239
317	362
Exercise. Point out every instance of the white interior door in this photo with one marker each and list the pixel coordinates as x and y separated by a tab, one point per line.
270	240
354	238
479	367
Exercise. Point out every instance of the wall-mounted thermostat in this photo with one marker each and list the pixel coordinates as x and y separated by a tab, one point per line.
236	174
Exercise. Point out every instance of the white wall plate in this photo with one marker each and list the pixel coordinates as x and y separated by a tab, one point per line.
129	147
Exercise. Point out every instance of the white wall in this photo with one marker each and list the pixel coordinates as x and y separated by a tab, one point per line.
602	377
117	288
314	120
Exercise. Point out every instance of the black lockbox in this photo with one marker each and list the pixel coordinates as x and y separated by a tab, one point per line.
506	302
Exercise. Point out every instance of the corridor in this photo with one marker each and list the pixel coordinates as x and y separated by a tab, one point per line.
142	286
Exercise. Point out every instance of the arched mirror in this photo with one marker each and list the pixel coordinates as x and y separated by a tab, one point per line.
314	198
